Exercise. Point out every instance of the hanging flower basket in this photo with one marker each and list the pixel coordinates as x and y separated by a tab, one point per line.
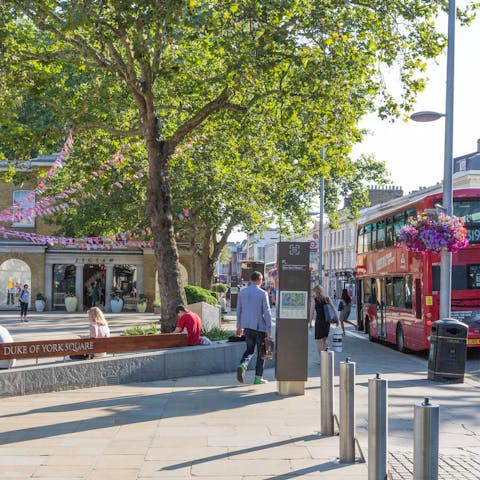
433	233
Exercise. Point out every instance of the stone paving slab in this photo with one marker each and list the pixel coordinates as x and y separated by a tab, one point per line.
210	427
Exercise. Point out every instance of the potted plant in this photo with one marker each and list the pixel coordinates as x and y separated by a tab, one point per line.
433	232
157	307
116	301
40	302
141	303
71	301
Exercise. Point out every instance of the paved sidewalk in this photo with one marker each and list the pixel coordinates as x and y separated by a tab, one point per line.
211	427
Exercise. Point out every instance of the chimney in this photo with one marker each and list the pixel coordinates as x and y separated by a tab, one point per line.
478	145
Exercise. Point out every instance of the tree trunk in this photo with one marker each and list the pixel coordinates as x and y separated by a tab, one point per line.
207	261
159	211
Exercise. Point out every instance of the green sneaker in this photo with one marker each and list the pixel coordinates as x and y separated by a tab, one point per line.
241	373
259	381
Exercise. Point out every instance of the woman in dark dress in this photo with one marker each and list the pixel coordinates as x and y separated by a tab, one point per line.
322	327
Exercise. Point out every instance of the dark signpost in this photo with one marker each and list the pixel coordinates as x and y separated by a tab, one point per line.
293	307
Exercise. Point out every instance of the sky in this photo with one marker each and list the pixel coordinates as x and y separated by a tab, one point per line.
413	151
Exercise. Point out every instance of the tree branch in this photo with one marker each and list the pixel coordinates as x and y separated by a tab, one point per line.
193	122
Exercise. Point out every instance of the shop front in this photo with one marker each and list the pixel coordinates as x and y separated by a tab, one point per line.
92	278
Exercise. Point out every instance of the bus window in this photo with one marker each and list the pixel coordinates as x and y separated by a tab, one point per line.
398	223
389	291
399	292
459	278
408	291
381	234
418	298
389	237
473	276
374	236
367	241
360	236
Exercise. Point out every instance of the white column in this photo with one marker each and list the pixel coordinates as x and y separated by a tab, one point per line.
48	285
79	286
108	286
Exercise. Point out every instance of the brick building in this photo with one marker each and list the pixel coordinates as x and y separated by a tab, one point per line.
56	270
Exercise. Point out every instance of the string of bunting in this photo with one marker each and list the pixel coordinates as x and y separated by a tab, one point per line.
13	213
48	206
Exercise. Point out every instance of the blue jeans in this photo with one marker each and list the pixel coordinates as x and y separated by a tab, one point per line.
253	338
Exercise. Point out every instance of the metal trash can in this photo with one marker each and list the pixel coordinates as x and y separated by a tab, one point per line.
448	350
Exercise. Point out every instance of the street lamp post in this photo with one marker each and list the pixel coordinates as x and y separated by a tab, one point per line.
320	227
446	257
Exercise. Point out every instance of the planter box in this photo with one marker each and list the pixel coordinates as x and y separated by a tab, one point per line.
210	315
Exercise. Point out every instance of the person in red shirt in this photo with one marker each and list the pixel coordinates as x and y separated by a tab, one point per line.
190	321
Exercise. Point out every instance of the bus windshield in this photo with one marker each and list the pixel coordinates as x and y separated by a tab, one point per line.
467	210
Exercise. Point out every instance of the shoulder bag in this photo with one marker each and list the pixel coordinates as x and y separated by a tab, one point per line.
266	349
329	313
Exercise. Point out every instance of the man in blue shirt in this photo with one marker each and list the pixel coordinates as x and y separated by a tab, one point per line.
254	320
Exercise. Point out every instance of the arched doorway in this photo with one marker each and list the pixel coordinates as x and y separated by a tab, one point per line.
14	273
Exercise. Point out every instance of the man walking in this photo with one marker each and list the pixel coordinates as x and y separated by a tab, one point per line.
254	320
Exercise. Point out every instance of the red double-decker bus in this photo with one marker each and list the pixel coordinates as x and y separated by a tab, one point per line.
397	290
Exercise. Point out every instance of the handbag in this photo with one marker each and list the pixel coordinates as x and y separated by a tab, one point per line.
266	349
341	306
329	313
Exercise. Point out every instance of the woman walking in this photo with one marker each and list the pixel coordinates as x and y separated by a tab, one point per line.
24	297
345	307
322	325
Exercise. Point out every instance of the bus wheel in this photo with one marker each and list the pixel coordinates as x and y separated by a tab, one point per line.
400	339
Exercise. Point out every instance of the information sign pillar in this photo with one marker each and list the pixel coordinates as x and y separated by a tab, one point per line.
291	361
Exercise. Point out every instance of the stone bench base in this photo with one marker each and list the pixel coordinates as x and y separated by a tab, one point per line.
165	364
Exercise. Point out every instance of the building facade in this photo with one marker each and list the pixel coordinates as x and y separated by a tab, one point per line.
60	270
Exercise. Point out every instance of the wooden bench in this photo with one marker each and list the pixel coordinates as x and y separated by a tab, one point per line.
90	346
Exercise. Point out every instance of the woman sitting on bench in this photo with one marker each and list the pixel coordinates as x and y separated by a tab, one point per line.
98	328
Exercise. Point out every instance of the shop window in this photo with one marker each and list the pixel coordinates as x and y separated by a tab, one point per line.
63	284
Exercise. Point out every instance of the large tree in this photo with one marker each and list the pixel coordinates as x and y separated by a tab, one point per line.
158	70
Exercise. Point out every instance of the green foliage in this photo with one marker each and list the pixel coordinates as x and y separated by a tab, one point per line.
234	101
139	330
156	303
216	333
41	296
219	287
198	294
142	298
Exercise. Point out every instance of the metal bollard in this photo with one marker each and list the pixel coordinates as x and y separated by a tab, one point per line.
326	394
425	441
377	428
347	411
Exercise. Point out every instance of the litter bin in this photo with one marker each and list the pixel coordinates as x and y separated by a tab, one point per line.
448	350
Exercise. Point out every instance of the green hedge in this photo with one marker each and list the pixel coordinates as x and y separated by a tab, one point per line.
199	294
219	287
